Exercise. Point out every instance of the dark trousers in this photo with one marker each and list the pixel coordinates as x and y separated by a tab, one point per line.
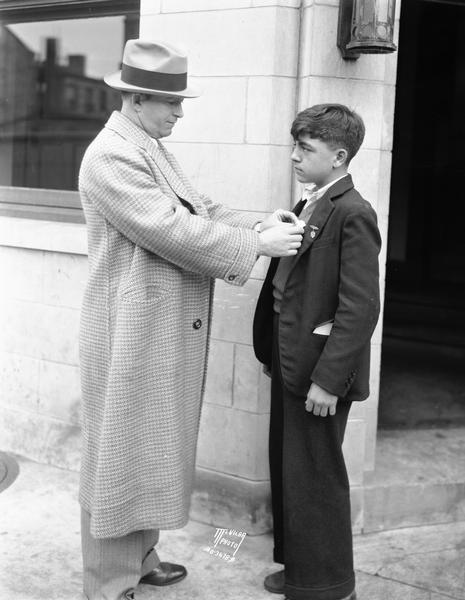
310	495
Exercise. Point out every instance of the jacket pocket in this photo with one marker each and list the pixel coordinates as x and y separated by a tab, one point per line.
148	294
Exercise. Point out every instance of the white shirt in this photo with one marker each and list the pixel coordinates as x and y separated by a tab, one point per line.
311	193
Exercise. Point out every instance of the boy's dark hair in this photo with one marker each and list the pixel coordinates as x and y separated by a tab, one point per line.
334	124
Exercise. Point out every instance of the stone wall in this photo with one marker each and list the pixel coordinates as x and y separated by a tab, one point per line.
43	269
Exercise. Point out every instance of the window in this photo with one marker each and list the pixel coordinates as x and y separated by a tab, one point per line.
53	100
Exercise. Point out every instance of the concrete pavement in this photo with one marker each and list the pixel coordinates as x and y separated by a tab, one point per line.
40	552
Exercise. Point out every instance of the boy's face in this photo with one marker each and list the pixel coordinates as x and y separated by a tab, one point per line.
315	162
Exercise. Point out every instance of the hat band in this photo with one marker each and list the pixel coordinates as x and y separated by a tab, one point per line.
167	82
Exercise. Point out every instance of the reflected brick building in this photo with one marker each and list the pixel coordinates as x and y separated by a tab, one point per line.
49	113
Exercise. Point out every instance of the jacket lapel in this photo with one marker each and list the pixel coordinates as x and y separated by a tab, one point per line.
323	209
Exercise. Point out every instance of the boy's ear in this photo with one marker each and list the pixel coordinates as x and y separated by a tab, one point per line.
340	158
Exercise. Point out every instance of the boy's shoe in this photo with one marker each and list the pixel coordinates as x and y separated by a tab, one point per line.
274	582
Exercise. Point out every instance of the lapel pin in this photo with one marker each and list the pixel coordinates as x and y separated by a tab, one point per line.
314	229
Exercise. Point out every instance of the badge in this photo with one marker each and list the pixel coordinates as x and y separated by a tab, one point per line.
314	229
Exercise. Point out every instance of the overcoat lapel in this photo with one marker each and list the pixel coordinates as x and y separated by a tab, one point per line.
122	125
161	157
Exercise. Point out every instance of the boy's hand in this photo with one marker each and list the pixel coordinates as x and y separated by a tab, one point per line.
320	402
279	217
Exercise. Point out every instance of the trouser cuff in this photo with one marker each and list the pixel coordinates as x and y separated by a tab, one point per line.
335	592
278	556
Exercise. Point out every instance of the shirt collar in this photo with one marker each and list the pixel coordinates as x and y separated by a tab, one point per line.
312	193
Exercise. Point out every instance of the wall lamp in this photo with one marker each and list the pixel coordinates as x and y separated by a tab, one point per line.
366	27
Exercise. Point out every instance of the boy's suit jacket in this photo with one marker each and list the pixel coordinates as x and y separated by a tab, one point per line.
334	277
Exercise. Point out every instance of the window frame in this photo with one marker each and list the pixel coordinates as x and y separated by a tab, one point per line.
43	203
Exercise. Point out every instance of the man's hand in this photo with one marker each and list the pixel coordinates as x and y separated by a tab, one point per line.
278	217
320	402
282	240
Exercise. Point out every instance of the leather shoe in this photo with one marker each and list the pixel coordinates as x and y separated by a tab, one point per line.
165	574
274	582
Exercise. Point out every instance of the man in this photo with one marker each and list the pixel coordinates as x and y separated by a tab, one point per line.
314	320
155	246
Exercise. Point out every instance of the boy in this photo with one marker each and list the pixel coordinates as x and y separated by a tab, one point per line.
312	328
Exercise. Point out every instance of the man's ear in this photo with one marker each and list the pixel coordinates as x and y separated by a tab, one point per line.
136	101
340	158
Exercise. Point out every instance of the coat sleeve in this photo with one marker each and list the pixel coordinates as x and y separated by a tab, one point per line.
223	214
358	303
123	190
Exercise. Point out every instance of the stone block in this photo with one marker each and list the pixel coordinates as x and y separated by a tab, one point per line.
43	235
218	115
234	442
234	308
261	267
411	505
264	392
40	331
372	100
384	182
211	39
19	381
64	279
324	59
149	7
358	410
356	506
60	391
383	224
246	380
270	110
40	438
284	3
354	450
306	40
220	373
244	177
199	5
231	502
365	171
21	273
390	75
371	430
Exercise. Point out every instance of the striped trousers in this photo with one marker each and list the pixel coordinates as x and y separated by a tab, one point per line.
113	567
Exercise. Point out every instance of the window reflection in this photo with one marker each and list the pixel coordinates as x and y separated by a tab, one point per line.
53	100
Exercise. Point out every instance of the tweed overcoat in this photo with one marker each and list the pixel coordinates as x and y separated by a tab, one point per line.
155	247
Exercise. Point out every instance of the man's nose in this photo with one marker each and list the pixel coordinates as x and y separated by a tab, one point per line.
295	155
179	111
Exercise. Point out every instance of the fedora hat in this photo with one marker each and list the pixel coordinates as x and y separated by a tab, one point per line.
153	68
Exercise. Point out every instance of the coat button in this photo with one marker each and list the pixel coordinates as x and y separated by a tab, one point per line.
197	324
232	277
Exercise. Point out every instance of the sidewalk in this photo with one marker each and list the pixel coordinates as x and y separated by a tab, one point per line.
40	553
